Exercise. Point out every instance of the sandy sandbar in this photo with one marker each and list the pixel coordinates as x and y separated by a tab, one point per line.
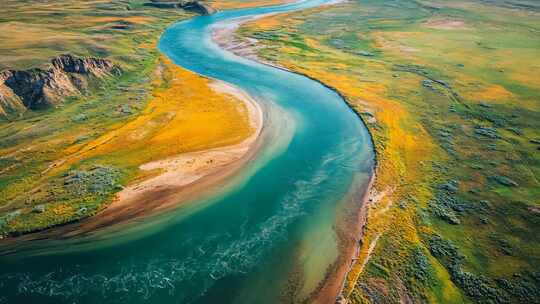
181	179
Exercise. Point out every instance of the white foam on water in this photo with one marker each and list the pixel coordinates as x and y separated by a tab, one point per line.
145	278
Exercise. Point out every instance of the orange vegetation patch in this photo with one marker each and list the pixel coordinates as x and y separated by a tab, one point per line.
272	22
269	23
188	115
21	34
491	93
529	79
107	19
236	4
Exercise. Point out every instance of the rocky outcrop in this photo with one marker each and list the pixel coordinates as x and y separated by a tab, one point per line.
10	104
90	66
192	6
163	4
197	7
37	89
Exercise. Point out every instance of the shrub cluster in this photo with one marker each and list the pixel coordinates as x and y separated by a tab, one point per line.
446	204
477	287
524	287
99	180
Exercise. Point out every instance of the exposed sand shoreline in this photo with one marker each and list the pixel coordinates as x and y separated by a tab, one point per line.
182	178
223	36
186	169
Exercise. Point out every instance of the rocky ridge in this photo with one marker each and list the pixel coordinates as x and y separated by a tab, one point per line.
37	89
189	5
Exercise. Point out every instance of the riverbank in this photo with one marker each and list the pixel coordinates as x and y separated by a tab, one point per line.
194	133
183	177
349	238
180	179
442	194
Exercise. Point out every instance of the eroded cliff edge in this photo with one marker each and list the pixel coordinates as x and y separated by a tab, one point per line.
37	89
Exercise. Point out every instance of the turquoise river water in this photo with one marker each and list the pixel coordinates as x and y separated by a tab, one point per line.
268	235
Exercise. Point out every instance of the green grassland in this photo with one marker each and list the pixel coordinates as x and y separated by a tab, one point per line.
34	31
450	91
34	195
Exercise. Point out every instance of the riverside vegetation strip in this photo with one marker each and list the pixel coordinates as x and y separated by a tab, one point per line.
66	162
450	93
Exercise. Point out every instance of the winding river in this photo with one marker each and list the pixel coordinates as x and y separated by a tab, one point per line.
273	232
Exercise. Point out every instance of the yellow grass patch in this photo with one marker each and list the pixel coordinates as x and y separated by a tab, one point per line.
491	93
273	22
34	31
186	116
269	22
530	79
237	4
91	21
20	35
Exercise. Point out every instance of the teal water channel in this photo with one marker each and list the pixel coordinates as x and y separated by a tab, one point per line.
270	234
